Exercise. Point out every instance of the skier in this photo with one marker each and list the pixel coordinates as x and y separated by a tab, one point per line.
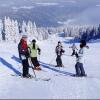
34	49
80	72
74	48
59	50
24	55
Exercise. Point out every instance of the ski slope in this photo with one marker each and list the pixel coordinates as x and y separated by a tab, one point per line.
62	85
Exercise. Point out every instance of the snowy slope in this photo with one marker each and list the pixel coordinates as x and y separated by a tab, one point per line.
61	86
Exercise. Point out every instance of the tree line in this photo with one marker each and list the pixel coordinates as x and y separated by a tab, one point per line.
12	30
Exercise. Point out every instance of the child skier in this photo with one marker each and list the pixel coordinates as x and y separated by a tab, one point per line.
34	49
59	50
80	72
74	48
24	55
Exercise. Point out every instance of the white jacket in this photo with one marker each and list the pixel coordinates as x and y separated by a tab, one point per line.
80	58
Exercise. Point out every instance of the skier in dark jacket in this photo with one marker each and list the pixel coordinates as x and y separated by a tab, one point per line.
24	55
59	50
80	72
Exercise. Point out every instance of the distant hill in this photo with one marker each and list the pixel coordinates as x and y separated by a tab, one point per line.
52	12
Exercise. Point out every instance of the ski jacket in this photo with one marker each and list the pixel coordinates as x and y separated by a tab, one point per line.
33	52
80	57
59	50
23	49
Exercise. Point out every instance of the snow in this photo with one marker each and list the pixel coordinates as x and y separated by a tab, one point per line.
62	85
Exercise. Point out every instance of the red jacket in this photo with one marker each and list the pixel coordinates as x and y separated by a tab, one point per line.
22	47
23	44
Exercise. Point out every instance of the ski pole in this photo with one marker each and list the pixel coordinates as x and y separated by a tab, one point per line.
32	67
31	61
39	57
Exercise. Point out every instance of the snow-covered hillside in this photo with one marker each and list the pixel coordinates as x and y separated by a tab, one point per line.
52	12
62	85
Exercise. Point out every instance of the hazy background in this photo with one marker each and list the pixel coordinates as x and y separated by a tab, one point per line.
52	12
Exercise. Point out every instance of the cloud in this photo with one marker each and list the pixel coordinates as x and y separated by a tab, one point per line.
23	7
47	4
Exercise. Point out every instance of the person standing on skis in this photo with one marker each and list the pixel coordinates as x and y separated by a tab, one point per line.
80	72
59	50
24	55
74	48
34	49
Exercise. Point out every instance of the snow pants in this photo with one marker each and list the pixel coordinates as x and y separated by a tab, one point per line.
59	61
35	61
79	69
25	67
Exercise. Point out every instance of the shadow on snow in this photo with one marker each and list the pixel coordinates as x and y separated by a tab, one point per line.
52	67
48	66
8	65
16	59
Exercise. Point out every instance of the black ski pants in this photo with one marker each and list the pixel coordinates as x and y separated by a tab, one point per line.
59	61
25	67
35	61
73	53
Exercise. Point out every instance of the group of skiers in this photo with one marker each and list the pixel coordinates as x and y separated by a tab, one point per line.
26	53
29	53
80	72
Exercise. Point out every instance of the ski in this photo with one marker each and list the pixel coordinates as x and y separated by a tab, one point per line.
36	79
22	76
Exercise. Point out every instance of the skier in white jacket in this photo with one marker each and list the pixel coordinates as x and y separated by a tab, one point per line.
80	72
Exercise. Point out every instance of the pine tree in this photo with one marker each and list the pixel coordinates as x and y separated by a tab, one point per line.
1	29
35	32
24	28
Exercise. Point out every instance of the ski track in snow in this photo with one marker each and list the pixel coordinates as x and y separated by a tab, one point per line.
61	86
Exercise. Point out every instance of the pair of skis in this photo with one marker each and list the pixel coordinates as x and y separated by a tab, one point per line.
35	78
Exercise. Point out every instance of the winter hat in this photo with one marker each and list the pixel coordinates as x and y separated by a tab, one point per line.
83	42
34	41
59	42
81	45
24	36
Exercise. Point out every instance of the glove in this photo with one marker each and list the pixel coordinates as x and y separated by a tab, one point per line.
87	47
63	51
39	51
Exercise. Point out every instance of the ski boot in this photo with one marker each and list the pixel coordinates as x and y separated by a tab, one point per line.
29	76
37	68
